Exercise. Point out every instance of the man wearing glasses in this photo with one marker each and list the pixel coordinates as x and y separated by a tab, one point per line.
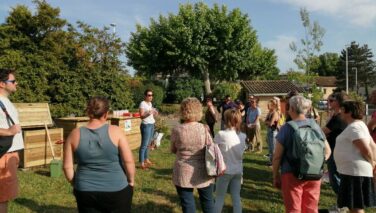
9	161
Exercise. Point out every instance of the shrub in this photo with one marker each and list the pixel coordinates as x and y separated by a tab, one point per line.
227	88
138	88
183	88
169	109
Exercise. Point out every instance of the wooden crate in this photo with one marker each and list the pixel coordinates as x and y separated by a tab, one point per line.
70	123
33	115
128	125
37	150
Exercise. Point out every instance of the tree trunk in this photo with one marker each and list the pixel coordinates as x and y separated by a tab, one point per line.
207	83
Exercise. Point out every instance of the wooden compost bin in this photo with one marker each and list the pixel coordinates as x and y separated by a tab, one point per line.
131	128
33	118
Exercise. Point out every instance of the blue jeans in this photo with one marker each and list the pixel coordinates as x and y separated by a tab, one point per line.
233	183
334	176
187	200
270	139
147	132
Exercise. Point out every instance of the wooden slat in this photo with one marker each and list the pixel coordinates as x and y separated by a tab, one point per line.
38	138
134	141
129	125
33	114
40	156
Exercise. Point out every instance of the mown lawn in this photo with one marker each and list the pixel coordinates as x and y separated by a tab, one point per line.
154	191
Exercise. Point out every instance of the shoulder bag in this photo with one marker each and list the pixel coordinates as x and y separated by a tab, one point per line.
5	141
215	165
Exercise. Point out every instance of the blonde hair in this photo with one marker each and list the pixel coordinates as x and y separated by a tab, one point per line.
233	119
191	109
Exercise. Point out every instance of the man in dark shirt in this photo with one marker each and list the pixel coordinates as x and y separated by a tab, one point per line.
333	128
225	105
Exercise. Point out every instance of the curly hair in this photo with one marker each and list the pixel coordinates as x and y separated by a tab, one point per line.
191	109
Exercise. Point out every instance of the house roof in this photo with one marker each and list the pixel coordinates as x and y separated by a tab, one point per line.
269	87
326	81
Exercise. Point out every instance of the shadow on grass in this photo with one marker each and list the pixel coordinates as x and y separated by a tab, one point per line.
162	173
43	173
36	207
151	206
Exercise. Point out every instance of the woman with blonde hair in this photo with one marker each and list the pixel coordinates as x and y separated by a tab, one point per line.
188	141
232	145
104	178
271	122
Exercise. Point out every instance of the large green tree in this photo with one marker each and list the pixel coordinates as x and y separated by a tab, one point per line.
325	64
60	64
360	60
212	44
310	44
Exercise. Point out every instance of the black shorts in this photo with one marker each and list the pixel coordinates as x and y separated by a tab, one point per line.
94	202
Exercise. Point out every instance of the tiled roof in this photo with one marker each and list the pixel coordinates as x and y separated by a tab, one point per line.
326	81
269	87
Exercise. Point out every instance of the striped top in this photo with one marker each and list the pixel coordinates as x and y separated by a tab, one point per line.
18	142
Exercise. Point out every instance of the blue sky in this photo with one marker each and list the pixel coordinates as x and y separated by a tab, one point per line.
277	22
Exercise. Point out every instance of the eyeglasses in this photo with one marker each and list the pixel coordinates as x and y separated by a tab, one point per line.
10	81
149	95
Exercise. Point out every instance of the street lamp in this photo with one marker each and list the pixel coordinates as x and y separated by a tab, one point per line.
356	78
347	70
113	25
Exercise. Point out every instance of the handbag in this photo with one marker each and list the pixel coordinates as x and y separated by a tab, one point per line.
215	165
5	141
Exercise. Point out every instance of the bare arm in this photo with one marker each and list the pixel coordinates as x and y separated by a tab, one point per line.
328	151
11	131
326	130
173	139
68	165
127	157
277	158
144	113
371	125
365	149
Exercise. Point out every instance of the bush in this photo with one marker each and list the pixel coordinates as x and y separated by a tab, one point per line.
183	88
227	88
138	88
169	109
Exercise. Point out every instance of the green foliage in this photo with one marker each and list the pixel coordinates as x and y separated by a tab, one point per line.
161	125
185	87
207	43
227	88
308	82
327	64
60	64
169	109
360	59
138	87
311	43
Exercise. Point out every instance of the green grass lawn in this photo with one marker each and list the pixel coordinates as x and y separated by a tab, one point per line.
154	191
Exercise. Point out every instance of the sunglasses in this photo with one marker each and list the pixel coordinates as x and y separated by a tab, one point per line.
10	81
149	95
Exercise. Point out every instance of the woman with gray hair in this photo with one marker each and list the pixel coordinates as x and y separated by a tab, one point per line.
188	142
298	195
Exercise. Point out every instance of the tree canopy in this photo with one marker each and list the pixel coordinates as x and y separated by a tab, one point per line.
62	64
212	44
360	60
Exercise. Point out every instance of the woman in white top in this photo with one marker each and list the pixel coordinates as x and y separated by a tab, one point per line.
355	161
147	113
232	145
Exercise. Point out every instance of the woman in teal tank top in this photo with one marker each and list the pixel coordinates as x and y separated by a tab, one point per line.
104	177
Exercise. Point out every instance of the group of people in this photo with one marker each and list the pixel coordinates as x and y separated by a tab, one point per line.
104	178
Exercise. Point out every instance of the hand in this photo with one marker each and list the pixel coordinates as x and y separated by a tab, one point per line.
131	184
14	129
277	182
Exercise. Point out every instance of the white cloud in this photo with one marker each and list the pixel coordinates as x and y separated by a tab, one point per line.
357	12
282	50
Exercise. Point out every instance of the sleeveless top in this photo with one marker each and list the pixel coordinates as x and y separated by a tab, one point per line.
269	118
98	162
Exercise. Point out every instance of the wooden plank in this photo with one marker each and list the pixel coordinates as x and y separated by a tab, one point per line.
34	114
129	125
40	156
134	141
38	138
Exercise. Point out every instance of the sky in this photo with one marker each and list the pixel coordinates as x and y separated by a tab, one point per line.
277	22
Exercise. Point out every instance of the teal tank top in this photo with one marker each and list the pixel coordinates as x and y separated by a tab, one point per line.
99	166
